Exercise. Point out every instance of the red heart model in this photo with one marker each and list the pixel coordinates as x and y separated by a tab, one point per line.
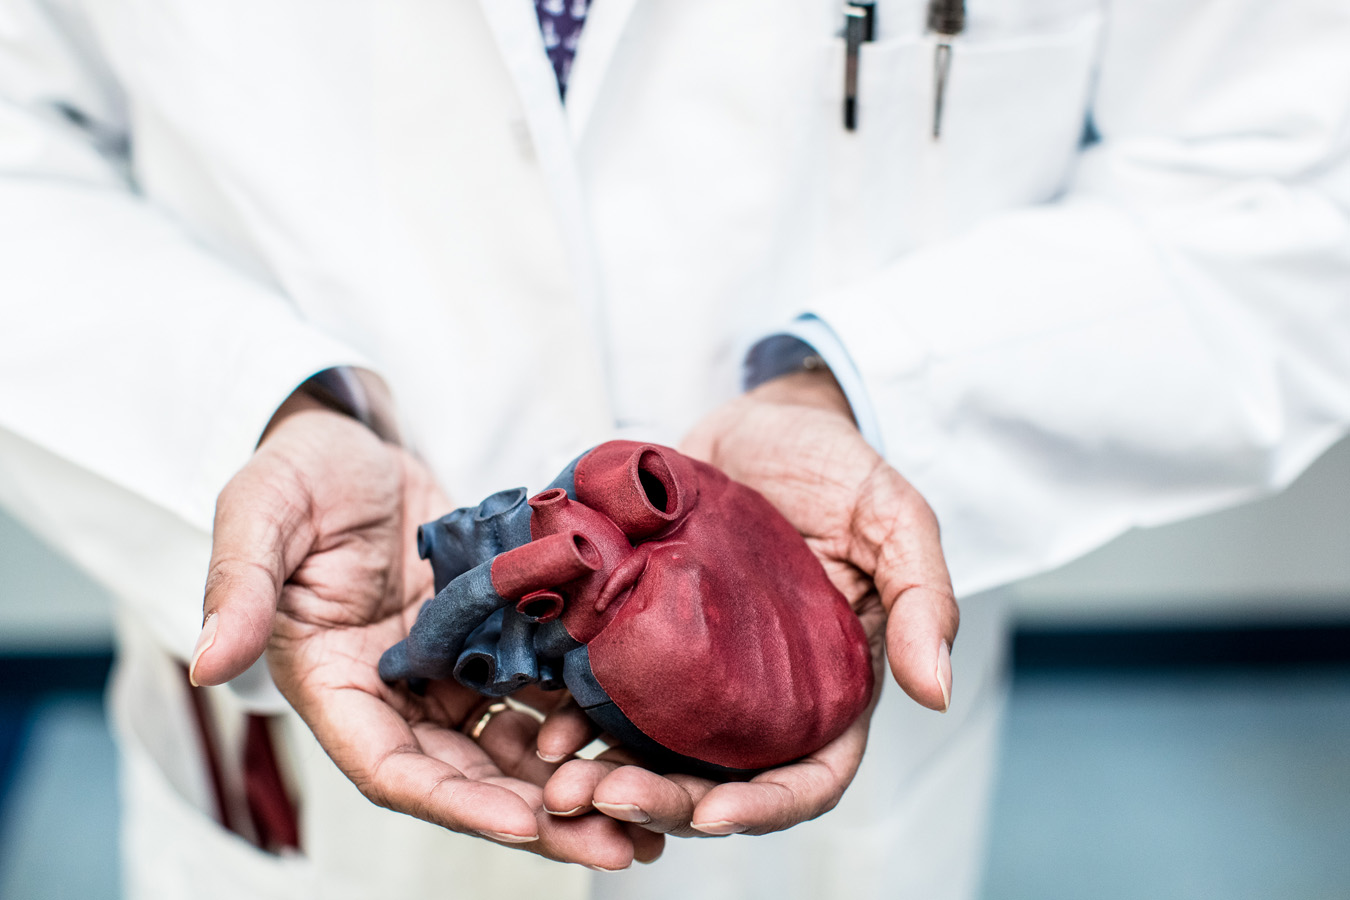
685	614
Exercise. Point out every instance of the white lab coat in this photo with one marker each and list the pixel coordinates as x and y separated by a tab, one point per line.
1058	342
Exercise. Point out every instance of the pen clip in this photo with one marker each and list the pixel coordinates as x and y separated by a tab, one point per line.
859	28
942	67
946	20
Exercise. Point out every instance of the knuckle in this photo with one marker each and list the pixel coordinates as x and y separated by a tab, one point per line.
374	782
229	576
921	513
263	488
371	789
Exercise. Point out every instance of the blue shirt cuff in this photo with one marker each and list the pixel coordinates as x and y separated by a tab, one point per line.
806	342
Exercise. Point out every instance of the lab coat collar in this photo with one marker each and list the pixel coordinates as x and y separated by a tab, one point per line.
516	28
605	24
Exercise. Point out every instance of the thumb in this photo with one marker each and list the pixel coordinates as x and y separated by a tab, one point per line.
262	533
919	635
911	575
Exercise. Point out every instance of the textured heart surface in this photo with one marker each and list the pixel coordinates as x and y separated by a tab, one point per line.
684	613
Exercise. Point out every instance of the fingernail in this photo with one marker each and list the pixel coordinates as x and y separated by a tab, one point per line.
509	838
719	828
550	759
565	812
603	869
624	812
944	674
204	642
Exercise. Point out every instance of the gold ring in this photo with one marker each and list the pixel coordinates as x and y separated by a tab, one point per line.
482	722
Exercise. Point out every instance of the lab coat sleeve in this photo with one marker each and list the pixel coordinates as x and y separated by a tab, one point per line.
1170	336
127	351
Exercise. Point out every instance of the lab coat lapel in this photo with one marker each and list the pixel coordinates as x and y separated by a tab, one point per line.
516	29
515	26
605	24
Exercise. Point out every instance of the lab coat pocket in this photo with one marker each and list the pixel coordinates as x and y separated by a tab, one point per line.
873	169
1013	118
172	849
1013	121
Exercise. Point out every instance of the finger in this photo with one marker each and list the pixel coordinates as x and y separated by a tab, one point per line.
592	841
566	730
784	797
262	532
510	739
442	776
618	754
919	635
647	845
507	740
570	791
540	700
410	781
662	804
388	761
903	550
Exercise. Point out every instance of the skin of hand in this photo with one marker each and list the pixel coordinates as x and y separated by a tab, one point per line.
794	440
314	561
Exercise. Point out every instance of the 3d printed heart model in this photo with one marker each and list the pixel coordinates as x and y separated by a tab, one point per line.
684	613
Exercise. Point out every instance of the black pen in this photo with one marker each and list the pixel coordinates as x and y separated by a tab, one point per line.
946	19
860	23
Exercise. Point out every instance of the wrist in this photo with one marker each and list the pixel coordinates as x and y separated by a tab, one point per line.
300	401
353	393
808	343
815	388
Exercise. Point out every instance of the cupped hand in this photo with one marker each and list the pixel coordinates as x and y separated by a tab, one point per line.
314	561
793	439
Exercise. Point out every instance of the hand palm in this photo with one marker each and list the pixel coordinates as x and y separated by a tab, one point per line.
314	554
795	442
811	466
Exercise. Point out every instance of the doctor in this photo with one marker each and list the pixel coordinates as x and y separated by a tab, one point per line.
1112	293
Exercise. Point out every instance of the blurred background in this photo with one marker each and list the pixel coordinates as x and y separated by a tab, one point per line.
1179	724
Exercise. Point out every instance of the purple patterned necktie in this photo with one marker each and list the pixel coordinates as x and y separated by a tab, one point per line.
561	21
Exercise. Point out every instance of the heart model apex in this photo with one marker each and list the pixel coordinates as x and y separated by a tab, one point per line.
684	613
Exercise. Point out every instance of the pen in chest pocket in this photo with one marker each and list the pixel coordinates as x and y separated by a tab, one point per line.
946	20
860	23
